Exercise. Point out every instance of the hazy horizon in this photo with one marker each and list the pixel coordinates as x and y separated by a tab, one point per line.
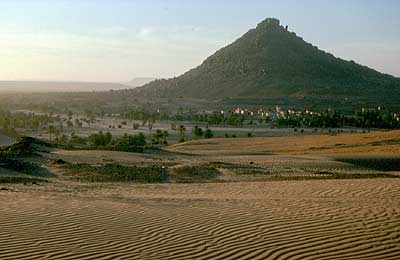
116	41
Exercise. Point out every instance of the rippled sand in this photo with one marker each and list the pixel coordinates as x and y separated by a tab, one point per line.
332	219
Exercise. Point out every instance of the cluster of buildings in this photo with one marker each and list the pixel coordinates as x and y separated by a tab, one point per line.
278	112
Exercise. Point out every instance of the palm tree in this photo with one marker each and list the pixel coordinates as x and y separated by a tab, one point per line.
182	132
165	134
51	129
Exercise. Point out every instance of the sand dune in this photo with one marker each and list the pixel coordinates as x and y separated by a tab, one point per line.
343	219
373	143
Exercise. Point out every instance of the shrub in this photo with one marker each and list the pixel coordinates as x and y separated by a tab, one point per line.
130	143
197	131
115	172
208	134
100	139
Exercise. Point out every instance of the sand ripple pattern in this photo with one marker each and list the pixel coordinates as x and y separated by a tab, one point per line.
329	220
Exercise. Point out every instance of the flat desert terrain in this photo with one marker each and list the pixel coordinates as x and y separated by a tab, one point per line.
288	206
371	144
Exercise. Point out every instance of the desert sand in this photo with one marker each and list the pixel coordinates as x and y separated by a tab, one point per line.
335	219
378	143
234	217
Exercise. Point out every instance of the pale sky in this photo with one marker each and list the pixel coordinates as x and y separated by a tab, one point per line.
116	40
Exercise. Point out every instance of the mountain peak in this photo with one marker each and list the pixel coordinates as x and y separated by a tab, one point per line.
269	22
269	62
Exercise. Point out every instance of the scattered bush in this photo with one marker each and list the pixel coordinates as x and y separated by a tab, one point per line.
115	172
208	134
130	143
100	139
197	132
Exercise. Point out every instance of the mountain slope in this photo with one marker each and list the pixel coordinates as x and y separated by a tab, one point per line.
138	82
271	62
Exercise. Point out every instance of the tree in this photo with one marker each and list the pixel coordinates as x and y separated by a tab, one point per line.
157	136
165	136
208	134
100	139
50	130
130	143
63	138
57	133
182	133
197	131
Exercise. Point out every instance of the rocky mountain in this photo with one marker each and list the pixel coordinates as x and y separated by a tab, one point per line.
138	82
272	62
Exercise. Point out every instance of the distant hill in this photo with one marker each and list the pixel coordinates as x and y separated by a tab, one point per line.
270	62
138	82
57	86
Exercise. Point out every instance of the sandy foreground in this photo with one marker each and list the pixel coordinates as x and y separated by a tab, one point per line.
313	219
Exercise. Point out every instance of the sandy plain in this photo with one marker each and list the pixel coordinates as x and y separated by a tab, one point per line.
245	217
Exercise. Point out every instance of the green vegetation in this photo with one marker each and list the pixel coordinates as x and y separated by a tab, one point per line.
115	172
100	139
208	134
129	143
270	175
105	141
197	132
25	146
12	158
182	133
366	118
270	61
240	168
160	137
215	118
143	115
10	121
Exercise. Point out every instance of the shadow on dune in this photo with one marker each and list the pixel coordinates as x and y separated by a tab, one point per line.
374	163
